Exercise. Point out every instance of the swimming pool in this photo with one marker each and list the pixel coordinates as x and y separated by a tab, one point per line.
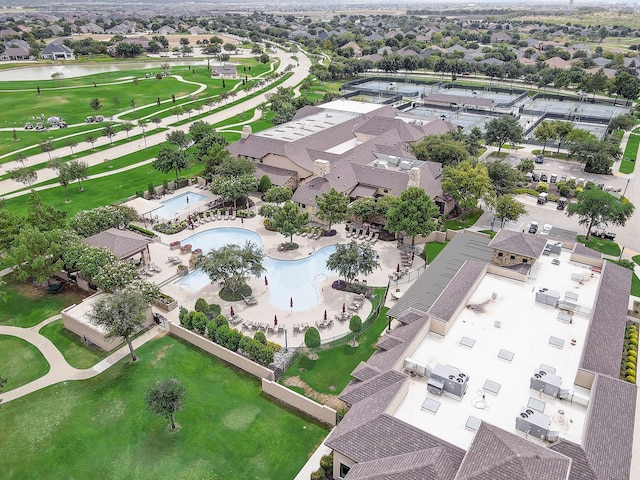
170	208
288	279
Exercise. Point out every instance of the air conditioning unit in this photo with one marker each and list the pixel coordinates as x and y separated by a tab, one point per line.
546	382
380	164
448	379
393	160
406	165
414	367
533	423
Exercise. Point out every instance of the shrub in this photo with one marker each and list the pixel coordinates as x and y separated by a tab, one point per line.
201	305
630	365
212	326
151	189
221	320
165	184
185	318
199	322
631	378
213	311
275	347
318	475
265	184
260	337
326	463
542	187
525	191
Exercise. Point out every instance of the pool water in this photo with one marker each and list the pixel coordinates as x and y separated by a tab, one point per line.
172	207
288	279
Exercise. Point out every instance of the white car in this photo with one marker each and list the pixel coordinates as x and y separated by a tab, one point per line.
546	228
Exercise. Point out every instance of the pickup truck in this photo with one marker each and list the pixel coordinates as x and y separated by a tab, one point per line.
602	233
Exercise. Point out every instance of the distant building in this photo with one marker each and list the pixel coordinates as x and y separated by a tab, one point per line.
225	70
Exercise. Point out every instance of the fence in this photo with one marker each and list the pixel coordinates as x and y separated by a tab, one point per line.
300	402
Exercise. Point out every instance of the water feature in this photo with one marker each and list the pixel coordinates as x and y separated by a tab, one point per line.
172	207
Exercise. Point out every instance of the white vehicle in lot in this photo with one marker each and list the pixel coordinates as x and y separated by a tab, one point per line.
546	229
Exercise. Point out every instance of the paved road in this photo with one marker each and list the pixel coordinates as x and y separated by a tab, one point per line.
300	72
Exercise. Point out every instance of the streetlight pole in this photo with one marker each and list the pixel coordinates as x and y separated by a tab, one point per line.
286	346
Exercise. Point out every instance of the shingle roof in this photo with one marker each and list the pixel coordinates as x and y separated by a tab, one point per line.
581	249
608	436
369	387
519	243
278	176
449	300
386	436
581	468
428	464
387	342
121	243
603	344
496	454
364	372
426	289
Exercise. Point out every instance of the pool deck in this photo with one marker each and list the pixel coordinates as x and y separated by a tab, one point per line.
331	300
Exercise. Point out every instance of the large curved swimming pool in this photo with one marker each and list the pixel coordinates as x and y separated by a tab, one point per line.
288	279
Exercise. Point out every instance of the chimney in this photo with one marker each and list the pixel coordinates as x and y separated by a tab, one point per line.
321	168
414	177
246	131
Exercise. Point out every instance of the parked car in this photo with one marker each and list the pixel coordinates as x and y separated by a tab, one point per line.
602	233
99	118
28	126
543	177
546	229
533	226
536	177
40	127
90	119
62	124
562	202
539	158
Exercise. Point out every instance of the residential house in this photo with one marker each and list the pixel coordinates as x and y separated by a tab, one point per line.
57	50
226	70
357	50
15	50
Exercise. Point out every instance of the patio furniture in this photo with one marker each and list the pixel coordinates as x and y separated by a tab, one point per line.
374	237
250	300
397	294
155	268
146	271
296	327
320	325
173	260
306	326
280	329
233	215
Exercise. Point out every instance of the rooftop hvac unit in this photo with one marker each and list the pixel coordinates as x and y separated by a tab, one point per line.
448	379
546	382
393	160
533	423
416	368
547	297
380	164
406	165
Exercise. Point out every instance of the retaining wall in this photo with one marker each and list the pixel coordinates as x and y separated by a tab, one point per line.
306	405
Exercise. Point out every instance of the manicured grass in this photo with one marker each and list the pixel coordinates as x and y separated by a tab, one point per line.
628	162
601	245
636	259
74	351
459	223
635	285
20	362
228	429
491	233
330	373
41	305
31	138
432	250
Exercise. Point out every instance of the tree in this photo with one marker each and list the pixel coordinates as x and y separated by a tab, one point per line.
626	85
91	138
72	144
467	184
413	214
170	158
352	260
443	149
232	188
59	76
363	209
21	157
332	206
502	130
95	104
277	194
165	398
127	127
65	177
265	184
355	325
232	264
89	222
43	216
595	207
35	254
115	275
235	167
503	176
622	122
109	131
288	220
178	138
508	209
544	132
23	175
526	165
199	130
48	147
121	314
312	341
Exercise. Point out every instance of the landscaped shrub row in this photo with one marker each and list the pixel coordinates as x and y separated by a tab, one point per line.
629	354
207	321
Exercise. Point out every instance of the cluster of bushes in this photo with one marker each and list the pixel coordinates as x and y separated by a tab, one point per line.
325	472
207	321
630	354
171	227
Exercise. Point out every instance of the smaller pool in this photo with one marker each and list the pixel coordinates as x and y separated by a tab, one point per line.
170	208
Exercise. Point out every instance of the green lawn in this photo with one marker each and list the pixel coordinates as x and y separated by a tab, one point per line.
20	362
432	250
636	259
628	162
491	233
635	285
74	351
459	223
331	372
100	428
601	245
42	305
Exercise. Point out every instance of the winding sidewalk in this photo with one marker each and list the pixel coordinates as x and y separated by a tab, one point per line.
60	370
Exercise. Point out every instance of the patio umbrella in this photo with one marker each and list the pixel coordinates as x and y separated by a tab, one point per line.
344	308
413	254
398	268
325	315
275	320
233	314
291	303
266	282
368	230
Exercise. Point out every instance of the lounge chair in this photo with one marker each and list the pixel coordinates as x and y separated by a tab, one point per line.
218	215
250	300
233	215
173	260
146	271
155	268
374	238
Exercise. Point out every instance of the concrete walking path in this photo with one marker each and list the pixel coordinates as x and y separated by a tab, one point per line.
60	370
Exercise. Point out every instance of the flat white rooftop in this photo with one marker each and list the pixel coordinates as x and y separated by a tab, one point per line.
486	334
350	106
304	127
